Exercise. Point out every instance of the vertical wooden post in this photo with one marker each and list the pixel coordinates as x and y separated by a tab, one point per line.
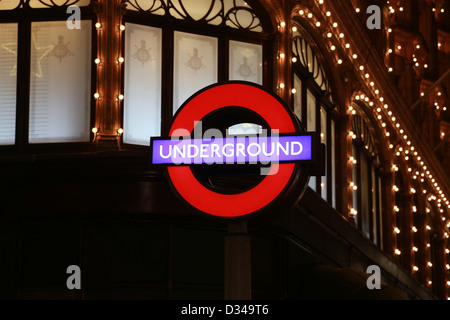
238	284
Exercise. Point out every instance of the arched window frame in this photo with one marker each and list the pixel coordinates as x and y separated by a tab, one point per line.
312	84
366	161
24	13
169	17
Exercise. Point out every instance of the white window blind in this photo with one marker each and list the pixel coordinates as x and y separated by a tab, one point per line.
195	65
60	82
8	82
246	62
142	103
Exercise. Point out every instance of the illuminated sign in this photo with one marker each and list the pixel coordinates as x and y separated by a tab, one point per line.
287	149
236	150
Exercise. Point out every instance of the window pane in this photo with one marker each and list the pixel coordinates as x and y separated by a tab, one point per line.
9	5
310	59
142	103
311	112
298	97
246	62
154	6
60	88
380	215
365	174
333	164
195	65
355	180
8	82
311	125
53	3
244	129
323	139
374	206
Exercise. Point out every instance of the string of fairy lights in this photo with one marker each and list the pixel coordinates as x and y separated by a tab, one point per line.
98	61
399	142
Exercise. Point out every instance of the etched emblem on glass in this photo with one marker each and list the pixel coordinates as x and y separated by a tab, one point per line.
245	70
142	54
195	62
61	50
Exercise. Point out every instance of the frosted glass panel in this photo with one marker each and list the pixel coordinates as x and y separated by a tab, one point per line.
298	97
153	6
8	82
245	129
195	65
246	62
142	103
9	4
323	139
52	3
60	82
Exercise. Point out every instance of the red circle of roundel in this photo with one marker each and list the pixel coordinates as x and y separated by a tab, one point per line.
222	96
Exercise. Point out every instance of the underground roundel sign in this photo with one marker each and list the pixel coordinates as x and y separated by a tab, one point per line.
265	168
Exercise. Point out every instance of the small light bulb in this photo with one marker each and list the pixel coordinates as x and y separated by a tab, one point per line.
94	130
121	27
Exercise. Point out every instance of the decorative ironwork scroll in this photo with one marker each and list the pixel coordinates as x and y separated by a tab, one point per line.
304	54
236	14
